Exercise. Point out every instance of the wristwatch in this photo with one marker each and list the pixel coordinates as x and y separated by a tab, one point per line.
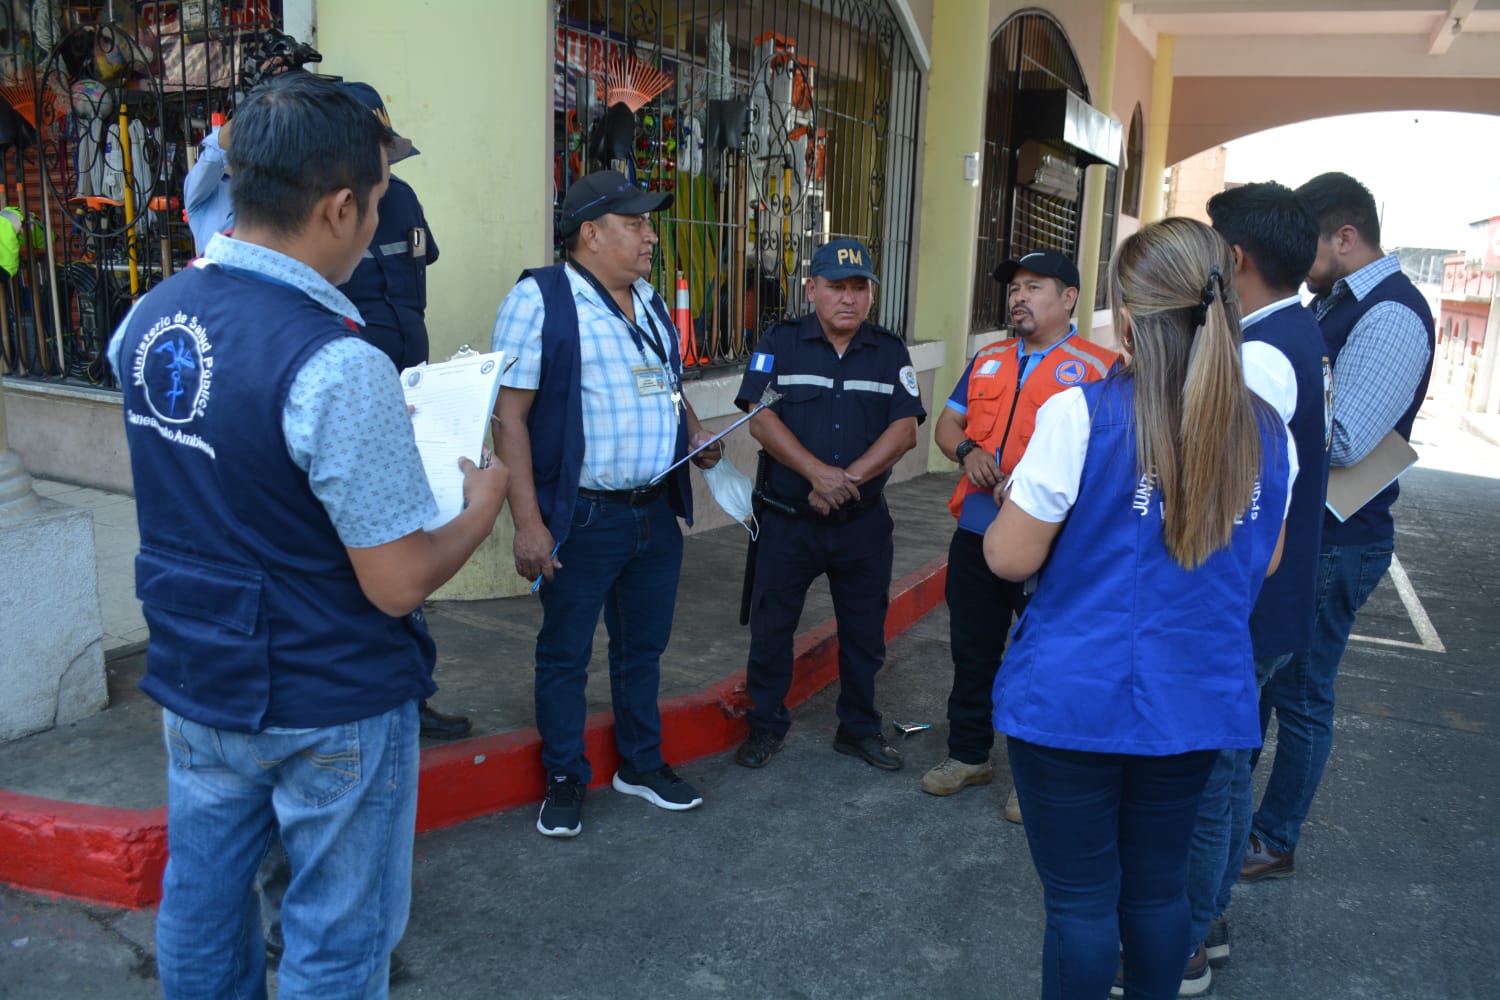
964	447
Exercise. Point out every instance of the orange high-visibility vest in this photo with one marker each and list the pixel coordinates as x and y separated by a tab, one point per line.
1000	418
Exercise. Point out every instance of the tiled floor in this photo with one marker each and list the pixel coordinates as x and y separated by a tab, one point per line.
116	541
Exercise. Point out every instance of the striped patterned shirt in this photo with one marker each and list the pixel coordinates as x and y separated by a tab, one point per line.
1379	368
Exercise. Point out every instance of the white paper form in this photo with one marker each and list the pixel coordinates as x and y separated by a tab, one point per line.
453	401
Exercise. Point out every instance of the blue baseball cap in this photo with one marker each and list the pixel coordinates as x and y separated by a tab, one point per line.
398	147
839	259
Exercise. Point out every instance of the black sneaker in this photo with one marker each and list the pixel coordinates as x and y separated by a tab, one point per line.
758	747
874	749
1216	945
562	809
660	787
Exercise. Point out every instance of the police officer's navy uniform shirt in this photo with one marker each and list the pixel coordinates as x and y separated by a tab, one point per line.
835	406
390	284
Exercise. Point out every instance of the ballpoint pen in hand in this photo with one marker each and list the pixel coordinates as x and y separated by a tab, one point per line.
537	583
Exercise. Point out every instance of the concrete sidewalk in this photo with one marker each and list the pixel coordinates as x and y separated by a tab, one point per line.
819	877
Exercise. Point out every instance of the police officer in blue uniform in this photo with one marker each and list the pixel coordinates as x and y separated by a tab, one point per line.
849	410
390	288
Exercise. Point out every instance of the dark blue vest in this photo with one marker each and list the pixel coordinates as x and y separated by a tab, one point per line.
389	287
1121	650
1282	621
555	423
1372	522
256	616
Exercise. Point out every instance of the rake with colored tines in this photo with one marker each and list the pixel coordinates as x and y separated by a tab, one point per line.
633	83
21	95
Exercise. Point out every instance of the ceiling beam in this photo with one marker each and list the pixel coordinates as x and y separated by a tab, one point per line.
1449	27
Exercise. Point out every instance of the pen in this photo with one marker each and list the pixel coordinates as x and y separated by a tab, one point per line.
537	583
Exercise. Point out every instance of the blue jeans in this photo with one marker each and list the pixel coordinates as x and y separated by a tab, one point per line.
624	561
1301	693
1223	825
1109	835
345	800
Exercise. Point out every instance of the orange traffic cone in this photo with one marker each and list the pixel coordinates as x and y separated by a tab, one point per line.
682	316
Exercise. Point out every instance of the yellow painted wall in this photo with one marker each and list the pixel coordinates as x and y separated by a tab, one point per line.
468	81
949	204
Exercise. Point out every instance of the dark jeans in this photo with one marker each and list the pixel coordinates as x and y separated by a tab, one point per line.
1223	825
792	553
1301	693
981	608
1109	835
624	561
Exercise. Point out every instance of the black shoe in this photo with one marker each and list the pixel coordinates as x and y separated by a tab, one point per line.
437	726
757	749
1216	945
562	809
874	749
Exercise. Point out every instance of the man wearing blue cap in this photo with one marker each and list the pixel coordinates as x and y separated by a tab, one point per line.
848	411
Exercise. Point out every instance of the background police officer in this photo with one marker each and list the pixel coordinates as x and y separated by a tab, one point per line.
985	428
849	411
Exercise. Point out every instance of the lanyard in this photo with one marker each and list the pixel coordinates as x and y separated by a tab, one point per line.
639	337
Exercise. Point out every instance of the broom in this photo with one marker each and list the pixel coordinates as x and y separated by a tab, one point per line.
633	83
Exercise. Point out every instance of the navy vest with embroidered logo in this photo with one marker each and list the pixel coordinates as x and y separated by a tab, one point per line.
1372	522
256	617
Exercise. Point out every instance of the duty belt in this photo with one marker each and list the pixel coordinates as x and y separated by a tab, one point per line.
801	509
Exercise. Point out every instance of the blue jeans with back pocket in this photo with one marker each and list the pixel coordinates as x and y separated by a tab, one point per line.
345	801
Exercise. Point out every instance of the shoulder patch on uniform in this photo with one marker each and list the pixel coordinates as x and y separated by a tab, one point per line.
762	362
909	379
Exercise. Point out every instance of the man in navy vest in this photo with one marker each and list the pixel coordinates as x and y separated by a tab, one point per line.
283	565
1274	239
592	415
1379	333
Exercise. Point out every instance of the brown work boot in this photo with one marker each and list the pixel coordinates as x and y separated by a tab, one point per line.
1013	808
951	776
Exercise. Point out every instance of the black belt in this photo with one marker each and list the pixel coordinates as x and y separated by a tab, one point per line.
638	497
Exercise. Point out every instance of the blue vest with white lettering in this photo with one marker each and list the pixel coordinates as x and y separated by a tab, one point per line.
1282	621
555	423
1372	522
256	616
1121	650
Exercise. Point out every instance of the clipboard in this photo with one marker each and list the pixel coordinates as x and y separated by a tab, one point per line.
453	402
1351	487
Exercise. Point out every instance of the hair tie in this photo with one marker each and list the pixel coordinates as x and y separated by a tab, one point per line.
1200	311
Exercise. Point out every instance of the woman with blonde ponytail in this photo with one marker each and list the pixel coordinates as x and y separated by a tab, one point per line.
1152	504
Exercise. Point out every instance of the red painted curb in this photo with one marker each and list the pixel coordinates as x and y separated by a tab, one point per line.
105	854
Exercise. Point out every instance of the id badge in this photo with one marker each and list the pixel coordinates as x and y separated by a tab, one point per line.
649	381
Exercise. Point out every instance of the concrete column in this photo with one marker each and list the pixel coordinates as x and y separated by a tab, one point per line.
470	82
16	495
1093	206
950	205
1154	176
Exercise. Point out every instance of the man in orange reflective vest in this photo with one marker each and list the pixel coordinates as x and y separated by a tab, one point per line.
985	429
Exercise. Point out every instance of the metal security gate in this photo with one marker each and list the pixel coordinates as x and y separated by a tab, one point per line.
776	124
103	108
1030	198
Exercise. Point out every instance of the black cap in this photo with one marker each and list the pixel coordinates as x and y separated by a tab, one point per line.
398	146
607	192
1047	263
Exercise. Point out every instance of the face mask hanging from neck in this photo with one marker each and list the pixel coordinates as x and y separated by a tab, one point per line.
731	490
